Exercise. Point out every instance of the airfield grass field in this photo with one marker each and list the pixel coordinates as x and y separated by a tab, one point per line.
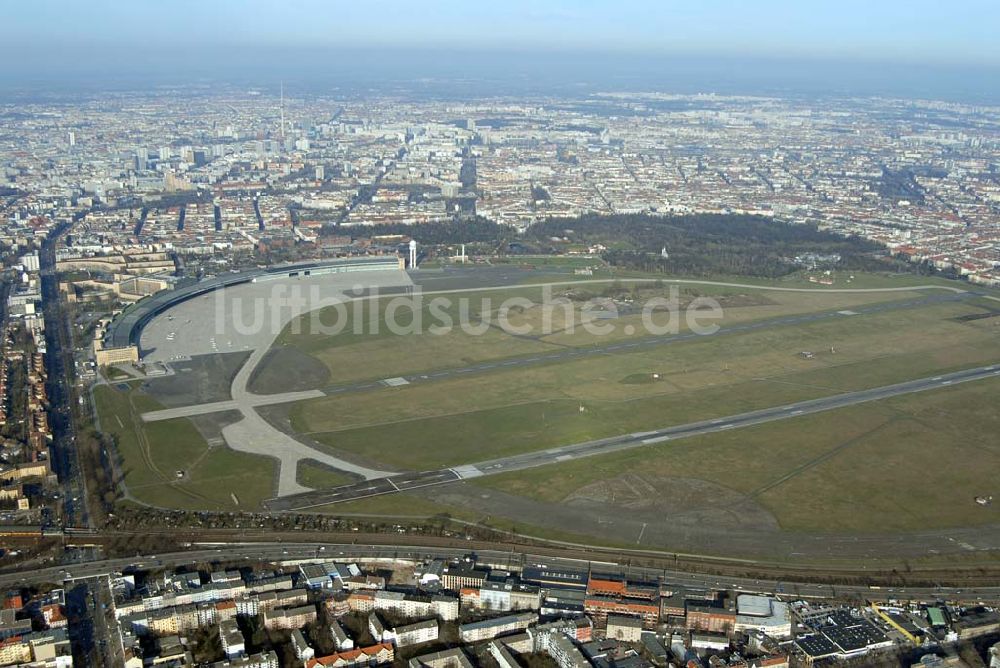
315	475
912	462
351	355
152	453
467	419
907	463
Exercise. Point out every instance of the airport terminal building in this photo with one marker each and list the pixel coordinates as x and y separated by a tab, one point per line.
126	328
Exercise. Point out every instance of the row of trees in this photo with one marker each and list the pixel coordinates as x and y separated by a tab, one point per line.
707	244
697	244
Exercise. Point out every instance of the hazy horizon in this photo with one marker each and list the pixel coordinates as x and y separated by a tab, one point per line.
959	32
918	49
482	73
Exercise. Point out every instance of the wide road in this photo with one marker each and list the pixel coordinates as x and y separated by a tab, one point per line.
60	369
392	484
228	552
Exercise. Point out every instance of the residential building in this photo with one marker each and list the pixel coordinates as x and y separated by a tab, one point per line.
623	628
373	655
289	618
491	628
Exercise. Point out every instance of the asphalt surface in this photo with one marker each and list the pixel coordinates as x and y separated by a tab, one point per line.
390	485
59	367
229	552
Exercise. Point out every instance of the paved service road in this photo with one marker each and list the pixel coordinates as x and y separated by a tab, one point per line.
628	441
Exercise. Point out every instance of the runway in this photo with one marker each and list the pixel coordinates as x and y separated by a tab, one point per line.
567	354
390	485
538	359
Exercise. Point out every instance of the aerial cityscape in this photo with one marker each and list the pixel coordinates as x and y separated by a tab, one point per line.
578	335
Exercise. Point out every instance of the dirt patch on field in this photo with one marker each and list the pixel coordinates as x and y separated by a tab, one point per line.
680	500
288	369
739	301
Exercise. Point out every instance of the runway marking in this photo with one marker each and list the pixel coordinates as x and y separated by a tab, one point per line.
467	471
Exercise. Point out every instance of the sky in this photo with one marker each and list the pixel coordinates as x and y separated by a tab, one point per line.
955	31
917	47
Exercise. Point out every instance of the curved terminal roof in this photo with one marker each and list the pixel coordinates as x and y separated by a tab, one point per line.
127	326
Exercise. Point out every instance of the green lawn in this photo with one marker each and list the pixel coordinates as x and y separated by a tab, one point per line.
355	354
152	454
468	419
316	476
903	464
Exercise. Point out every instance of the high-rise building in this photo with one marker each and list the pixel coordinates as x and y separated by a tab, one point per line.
72	138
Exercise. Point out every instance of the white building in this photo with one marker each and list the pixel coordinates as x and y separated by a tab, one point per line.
341	640
233	643
624	628
761	613
303	652
415	634
30	262
491	628
566	654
